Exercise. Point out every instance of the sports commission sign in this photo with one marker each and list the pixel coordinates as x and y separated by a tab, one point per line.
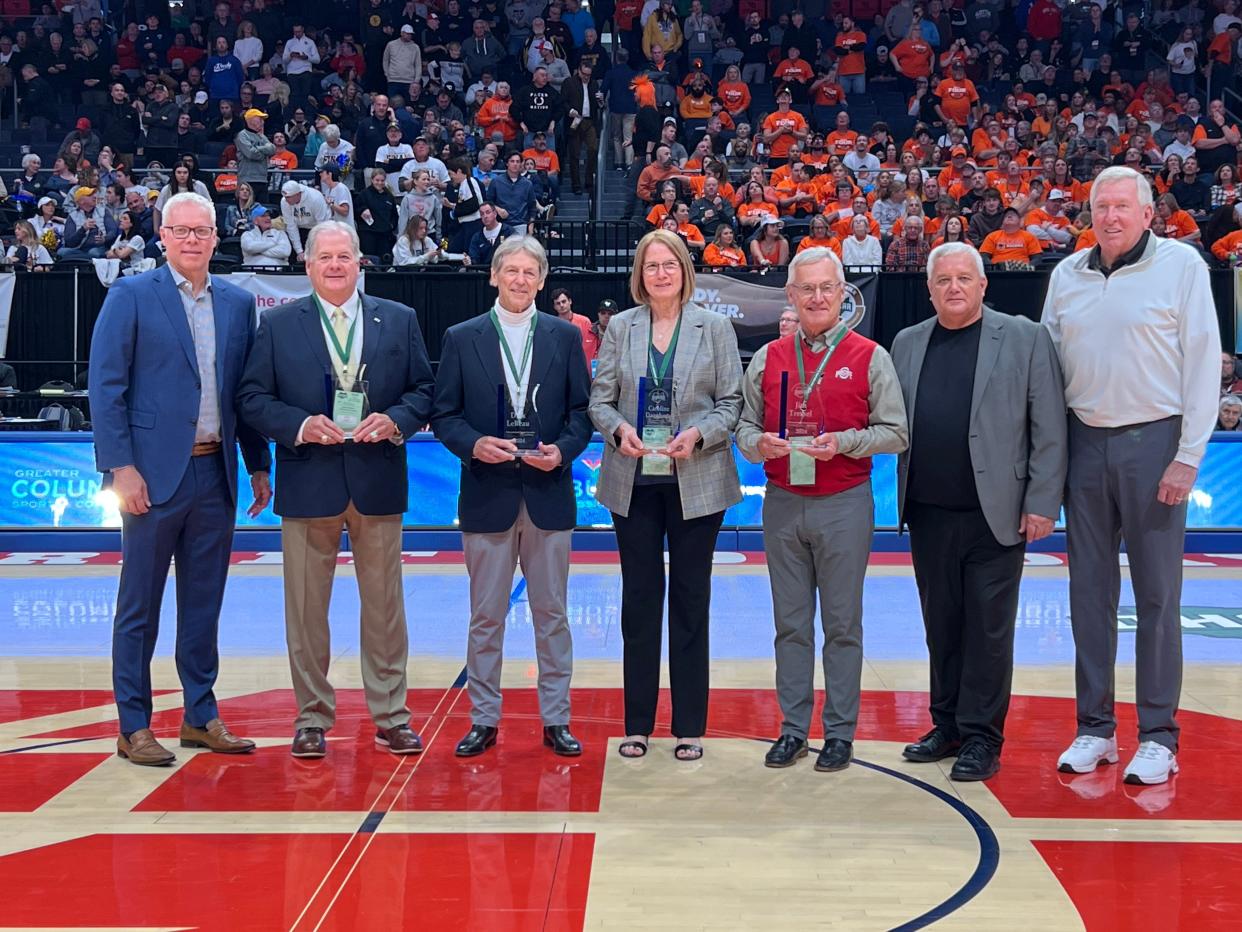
274	290
755	309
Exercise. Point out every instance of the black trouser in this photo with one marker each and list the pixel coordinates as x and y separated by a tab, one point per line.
655	511
968	589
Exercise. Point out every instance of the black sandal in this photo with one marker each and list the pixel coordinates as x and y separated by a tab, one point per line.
688	752
633	744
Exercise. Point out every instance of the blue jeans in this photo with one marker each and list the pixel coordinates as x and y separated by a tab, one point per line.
95	252
853	83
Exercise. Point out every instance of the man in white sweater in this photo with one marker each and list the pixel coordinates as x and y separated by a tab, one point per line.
300	55
403	62
301	207
262	244
1134	323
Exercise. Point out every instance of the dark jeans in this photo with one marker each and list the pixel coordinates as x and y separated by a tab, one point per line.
655	512
968	589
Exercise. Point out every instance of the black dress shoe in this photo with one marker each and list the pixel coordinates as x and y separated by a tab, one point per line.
975	762
787	751
836	755
559	739
478	739
309	742
933	746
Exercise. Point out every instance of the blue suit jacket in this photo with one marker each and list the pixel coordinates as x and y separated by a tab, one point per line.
284	384
465	410
144	384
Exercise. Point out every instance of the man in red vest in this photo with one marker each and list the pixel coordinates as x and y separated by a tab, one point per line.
819	403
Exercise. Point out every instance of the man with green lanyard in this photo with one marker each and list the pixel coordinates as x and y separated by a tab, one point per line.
819	403
510	403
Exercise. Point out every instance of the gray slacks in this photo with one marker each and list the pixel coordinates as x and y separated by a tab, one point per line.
1114	475
818	545
490	561
310	548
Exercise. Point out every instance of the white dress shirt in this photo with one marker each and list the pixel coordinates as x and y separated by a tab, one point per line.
353	312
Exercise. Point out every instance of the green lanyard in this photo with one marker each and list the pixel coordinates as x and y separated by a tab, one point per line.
517	372
657	373
342	353
808	388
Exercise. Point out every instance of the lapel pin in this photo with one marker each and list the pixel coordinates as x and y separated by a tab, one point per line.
376	319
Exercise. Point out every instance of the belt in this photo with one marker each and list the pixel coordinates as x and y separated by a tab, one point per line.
205	449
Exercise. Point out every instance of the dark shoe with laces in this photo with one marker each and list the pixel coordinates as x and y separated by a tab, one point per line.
976	761
561	741
933	746
786	752
836	755
478	739
399	740
309	742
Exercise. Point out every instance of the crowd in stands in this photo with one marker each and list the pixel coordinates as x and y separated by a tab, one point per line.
438	127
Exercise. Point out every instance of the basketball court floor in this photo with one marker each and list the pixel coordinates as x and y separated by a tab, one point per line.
520	839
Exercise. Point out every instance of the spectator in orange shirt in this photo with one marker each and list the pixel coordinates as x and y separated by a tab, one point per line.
782	129
841	140
1010	243
843	225
1228	248
1179	224
796	197
693	235
820	235
1048	224
850	45
953	171
755	209
913	56
959	100
795	72
734	94
827	98
1220	56
769	247
723	249
663	207
953	230
494	115
697	104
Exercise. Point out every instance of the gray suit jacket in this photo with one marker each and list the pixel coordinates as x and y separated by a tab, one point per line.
1017	419
707	392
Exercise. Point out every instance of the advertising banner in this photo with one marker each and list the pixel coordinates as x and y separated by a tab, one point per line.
275	290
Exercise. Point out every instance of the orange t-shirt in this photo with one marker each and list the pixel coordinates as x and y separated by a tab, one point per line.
494	115
956	99
693	234
1041	216
1086	239
1221	49
286	161
1011	193
798	70
692	108
545	161
793	120
762	209
845	226
841	143
1229	243
829	94
656	215
790	188
1018	246
734	95
913	58
723	255
830	243
850	62
1181	224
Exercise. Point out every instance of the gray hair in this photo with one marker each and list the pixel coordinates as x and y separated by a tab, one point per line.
30	158
1229	400
1115	174
521	243
332	133
187	198
810	257
332	226
947	250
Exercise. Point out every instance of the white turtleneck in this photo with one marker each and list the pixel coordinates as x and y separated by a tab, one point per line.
515	328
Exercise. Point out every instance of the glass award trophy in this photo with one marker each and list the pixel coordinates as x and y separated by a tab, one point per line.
655	425
800	426
519	424
349	403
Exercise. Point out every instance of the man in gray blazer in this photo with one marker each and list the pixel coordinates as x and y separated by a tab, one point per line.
982	478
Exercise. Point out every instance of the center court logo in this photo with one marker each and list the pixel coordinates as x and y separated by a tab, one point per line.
1208	621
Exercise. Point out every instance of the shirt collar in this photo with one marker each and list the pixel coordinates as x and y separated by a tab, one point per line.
511	319
818	343
1129	257
350	307
183	283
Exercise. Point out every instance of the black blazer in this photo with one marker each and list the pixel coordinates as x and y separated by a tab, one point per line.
465	410
284	384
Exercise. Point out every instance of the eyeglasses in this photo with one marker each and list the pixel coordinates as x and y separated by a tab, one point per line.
672	266
182	232
809	290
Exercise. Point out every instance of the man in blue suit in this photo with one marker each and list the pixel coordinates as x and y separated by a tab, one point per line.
325	482
514	507
166	356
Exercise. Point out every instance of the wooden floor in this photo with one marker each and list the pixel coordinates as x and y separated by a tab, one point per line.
521	839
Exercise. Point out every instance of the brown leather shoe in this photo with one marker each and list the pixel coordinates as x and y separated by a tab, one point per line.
141	748
214	736
399	740
309	742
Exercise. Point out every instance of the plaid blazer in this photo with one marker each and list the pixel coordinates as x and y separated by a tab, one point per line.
707	393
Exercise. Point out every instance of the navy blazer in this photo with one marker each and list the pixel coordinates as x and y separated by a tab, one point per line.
465	410
144	385
284	384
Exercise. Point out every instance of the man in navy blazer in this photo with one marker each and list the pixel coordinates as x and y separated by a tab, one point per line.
513	507
324	482
166	356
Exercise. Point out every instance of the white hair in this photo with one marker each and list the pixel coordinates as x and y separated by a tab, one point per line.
810	257
1229	401
521	243
31	158
187	198
947	250
332	133
332	226
1115	174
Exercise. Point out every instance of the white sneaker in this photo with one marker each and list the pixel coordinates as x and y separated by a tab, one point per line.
1086	753
1152	763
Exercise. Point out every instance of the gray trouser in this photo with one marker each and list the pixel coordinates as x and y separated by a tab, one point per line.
1114	475
491	560
818	544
